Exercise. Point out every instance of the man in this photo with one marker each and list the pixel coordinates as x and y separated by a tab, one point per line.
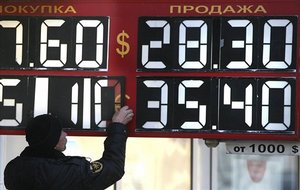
43	166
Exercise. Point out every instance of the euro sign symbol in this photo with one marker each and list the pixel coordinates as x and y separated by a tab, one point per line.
124	45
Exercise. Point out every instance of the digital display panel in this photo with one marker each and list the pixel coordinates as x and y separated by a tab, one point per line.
83	103
214	43
208	104
54	43
188	70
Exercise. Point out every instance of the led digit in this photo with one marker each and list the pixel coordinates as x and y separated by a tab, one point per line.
266	52
98	25
41	95
185	44
54	43
237	107
186	84
86	110
10	103
156	44
247	44
83	102
242	105
266	108
98	102
69	43
19	37
162	104
100	86
74	103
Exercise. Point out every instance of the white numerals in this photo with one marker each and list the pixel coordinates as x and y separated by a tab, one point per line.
156	44
269	25
186	84
54	43
260	103
246	44
240	105
162	104
185	44
99	43
7	102
287	94
19	37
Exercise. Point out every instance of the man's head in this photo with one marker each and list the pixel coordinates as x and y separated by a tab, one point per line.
43	132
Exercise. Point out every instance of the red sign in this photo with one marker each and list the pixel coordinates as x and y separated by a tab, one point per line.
191	70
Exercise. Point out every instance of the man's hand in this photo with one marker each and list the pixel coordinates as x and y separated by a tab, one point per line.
124	115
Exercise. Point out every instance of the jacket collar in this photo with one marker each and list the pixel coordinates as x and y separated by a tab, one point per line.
42	153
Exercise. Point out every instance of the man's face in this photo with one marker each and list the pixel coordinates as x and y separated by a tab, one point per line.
256	169
61	145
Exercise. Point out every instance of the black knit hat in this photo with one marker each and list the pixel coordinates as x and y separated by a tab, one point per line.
43	132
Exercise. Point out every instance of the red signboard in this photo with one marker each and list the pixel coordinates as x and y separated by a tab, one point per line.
211	69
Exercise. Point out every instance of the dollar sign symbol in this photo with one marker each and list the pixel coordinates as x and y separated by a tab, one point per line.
295	149
124	45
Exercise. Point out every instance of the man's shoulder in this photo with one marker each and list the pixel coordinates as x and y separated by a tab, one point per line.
31	170
51	167
76	160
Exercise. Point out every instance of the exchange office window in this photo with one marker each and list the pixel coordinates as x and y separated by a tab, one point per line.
248	172
151	163
157	163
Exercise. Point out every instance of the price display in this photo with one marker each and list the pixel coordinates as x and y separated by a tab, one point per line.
189	70
223	104
54	43
219	45
83	102
263	147
210	43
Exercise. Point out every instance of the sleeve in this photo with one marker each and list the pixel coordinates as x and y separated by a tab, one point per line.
106	171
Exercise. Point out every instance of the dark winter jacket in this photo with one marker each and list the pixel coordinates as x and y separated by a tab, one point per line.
34	170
